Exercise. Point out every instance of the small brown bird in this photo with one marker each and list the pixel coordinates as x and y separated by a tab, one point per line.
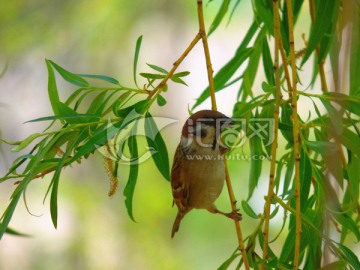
198	171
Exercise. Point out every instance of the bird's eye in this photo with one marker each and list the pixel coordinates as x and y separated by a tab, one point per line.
203	133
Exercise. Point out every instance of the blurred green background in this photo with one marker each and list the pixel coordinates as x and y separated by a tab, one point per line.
94	231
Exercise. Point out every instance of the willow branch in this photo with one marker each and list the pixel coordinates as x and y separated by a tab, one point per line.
202	33
295	135
274	146
237	223
210	71
175	66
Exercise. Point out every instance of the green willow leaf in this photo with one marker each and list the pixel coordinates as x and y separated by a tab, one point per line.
288	246
286	115
56	178
52	88
248	210
267	113
324	16
101	77
140	107
353	178
161	101
351	141
69	76
16	233
355	54
347	222
157	146
252	66
288	173
274	212
133	175
327	40
255	163
98	139
152	76
225	265
97	105
53	198
65	110
268	63
178	80
26	142
119	101
182	74
136	58
322	147
89	117
157	68
305	179
313	260
219	16
350	257
264	12
278	175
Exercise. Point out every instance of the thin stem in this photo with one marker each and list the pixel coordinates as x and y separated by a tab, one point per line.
175	66
286	69
210	71
295	135
276	125
202	33
324	86
237	223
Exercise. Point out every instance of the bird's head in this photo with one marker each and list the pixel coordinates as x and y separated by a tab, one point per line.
203	128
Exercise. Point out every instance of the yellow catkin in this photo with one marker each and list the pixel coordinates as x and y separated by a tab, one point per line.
109	167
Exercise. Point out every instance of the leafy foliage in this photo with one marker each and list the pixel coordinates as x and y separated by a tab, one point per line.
75	133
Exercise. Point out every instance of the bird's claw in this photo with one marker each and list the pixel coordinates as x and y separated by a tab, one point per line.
235	215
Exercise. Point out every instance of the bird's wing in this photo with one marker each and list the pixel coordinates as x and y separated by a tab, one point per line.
180	187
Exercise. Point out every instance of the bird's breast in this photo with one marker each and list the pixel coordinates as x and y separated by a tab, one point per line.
206	175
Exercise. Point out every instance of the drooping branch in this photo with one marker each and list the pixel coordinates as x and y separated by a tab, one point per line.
202	32
296	136
278	97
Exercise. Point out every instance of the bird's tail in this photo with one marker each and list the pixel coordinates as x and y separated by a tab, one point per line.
176	224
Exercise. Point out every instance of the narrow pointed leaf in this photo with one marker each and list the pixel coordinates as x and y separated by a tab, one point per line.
355	54
350	257
161	101
157	68
157	146
52	88
136	58
101	77
323	18
248	210
133	175
219	16
255	162
69	76
26	142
